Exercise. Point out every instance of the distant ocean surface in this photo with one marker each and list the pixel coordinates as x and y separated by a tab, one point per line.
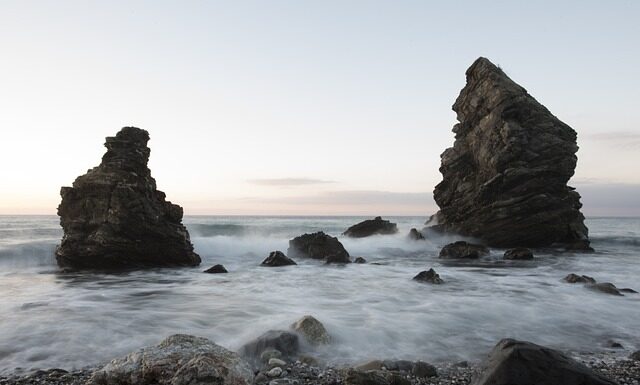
52	319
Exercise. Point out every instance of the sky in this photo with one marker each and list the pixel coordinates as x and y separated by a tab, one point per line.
303	107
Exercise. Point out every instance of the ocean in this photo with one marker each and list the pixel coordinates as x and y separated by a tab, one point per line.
373	311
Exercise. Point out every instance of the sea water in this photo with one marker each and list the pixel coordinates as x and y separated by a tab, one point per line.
373	311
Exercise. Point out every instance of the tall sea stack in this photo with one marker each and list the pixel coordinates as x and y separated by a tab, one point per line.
114	218
505	178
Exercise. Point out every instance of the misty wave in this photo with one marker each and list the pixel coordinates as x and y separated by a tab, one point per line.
28	254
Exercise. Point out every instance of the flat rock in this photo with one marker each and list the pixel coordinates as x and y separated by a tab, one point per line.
114	218
518	253
318	246
429	276
312	330
178	360
514	362
277	258
505	178
371	227
463	250
216	269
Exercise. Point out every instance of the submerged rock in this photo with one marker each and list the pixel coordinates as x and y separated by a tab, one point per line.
463	250
505	178
605	287
283	341
216	269
429	276
178	360
415	235
277	258
318	246
514	362
312	330
359	260
371	227
114	217
575	278
518	253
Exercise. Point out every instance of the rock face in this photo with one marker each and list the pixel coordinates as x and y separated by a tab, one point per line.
371	227
277	258
114	217
178	360
463	250
318	246
514	362
429	276
505	178
312	330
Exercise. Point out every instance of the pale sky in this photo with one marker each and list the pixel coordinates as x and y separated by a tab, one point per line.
303	107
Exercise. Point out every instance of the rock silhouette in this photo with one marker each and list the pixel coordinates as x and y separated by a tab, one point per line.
505	178
114	217
371	227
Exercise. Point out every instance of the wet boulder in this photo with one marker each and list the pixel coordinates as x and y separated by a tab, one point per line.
463	250
114	218
216	269
277	258
359	260
575	278
178	360
312	330
285	342
518	253
415	235
318	246
429	276
371	227
605	287
513	362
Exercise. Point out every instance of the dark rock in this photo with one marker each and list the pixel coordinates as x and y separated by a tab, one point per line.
429	276
277	258
605	287
628	290
514	362
415	235
179	359
615	345
371	227
463	250
390	364
360	260
318	246
424	370
635	355
114	217
518	253
216	269
404	365
285	342
575	278
505	178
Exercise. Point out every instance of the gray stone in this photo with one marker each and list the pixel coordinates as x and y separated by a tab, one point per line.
276	362
274	372
424	370
312	330
429	276
605	287
178	360
575	278
283	341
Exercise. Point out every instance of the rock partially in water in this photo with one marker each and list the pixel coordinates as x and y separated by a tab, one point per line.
371	227
505	178
518	253
312	330
575	278
628	290
277	258
463	250
360	260
178	360
605	287
429	276
281	340
513	362
216	269
318	246
415	235
114	217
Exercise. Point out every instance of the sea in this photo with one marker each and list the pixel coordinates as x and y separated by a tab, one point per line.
50	318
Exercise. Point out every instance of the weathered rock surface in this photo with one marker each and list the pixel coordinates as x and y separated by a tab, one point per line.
277	258
575	278
463	250
178	360
505	178
216	269
371	227
429	276
114	217
518	253
285	342
514	362
312	330
318	246
415	235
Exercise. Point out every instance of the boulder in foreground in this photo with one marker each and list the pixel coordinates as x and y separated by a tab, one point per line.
318	246
114	217
312	330
463	250
371	227
178	360
513	362
285	342
505	178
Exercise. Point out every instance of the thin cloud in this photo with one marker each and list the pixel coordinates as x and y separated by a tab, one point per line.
354	197
620	139
288	182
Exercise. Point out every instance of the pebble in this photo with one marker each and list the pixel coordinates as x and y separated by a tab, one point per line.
275	372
